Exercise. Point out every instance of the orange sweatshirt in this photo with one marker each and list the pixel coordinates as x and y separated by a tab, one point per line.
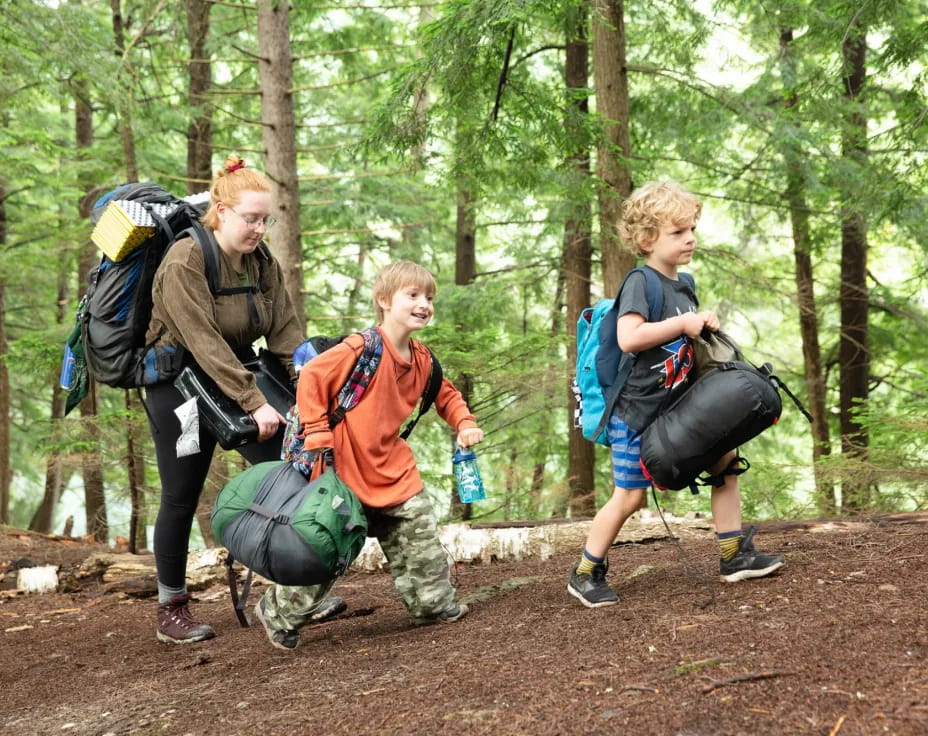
370	457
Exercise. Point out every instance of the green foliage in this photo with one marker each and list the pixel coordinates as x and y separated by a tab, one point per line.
400	109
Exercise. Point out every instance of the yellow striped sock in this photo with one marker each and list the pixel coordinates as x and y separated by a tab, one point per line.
586	565
728	546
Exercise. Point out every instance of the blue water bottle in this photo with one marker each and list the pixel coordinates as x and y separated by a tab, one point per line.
467	475
67	368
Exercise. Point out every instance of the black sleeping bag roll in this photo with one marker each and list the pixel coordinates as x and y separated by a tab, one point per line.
722	410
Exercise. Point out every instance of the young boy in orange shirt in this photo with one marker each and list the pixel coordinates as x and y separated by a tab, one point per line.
375	462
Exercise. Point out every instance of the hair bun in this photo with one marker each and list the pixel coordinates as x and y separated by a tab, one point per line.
233	163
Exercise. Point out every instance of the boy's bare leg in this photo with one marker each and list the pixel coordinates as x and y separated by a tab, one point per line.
739	559
726	499
587	581
611	517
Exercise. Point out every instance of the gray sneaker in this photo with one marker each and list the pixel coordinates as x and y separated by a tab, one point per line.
286	639
327	608
748	563
455	612
592	590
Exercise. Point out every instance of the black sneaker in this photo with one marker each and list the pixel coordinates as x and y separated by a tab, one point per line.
747	563
455	612
592	590
286	639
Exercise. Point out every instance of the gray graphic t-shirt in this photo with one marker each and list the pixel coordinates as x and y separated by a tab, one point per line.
660	374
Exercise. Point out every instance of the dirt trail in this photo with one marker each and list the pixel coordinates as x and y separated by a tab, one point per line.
837	643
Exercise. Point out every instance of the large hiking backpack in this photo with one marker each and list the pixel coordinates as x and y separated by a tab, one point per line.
352	392
116	310
602	367
288	530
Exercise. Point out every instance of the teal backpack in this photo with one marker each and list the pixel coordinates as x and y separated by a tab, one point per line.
602	368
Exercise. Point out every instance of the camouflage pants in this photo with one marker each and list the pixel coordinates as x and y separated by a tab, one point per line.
408	536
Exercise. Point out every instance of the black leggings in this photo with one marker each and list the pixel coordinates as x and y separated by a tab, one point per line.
182	479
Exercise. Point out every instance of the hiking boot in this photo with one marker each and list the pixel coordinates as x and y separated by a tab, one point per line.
592	590
327	608
455	612
747	563
177	626
286	639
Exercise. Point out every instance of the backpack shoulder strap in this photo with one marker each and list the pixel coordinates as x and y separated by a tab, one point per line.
687	278
654	294
210	249
436	375
362	373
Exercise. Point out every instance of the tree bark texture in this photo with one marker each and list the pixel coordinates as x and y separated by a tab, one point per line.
611	86
6	472
217	477
577	259
465	271
43	519
199	70
126	100
91	468
275	69
808	311
854	349
135	463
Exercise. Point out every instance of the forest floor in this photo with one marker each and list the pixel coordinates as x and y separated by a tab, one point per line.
836	643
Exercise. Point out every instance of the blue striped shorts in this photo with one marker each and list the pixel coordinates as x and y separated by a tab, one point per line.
626	452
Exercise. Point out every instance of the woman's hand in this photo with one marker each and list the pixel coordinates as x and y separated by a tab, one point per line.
268	420
470	436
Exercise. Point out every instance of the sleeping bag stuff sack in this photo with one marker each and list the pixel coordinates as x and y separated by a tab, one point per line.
290	531
722	410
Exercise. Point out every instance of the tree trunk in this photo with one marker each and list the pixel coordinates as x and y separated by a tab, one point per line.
43	519
217	477
135	461
199	70
578	252
127	99
808	311
854	350
6	473
91	468
465	271
611	84
275	69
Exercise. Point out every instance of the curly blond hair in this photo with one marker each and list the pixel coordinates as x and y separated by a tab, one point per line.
652	205
398	276
227	187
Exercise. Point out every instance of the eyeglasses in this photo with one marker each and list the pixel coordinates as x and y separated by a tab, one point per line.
253	221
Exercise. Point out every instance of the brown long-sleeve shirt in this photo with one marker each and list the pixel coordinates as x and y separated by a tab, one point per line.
212	328
370	457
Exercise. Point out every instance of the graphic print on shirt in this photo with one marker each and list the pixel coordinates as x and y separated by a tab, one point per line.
676	367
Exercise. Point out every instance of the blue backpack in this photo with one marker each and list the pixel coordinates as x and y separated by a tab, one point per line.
602	368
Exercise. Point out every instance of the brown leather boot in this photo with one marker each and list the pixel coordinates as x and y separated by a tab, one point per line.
177	626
